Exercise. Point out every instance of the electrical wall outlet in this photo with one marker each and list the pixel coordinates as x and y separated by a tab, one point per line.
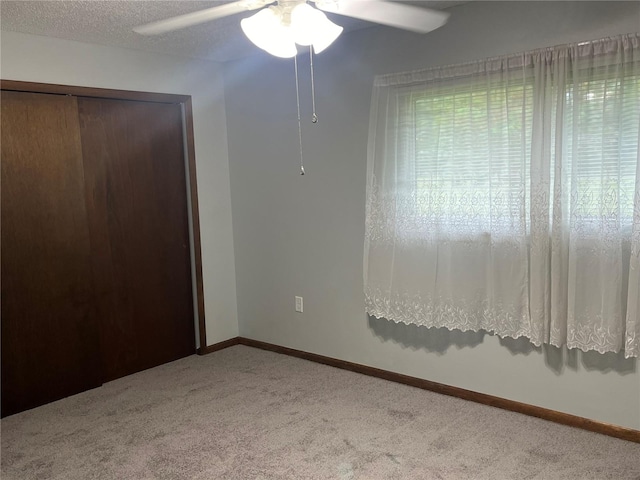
299	304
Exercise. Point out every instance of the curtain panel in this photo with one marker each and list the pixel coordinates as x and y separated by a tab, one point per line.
504	195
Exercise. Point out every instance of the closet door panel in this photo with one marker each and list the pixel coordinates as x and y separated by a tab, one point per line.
50	345
137	205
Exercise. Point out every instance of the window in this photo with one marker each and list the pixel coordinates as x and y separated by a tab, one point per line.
472	157
503	195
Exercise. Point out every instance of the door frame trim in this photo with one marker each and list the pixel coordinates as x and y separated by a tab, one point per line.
185	101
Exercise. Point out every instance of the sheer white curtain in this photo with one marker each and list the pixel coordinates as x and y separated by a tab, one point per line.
504	195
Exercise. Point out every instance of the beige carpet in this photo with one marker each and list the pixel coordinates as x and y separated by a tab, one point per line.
243	413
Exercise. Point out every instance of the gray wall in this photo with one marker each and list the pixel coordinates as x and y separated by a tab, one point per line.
304	236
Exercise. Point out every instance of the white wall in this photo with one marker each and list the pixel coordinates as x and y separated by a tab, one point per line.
50	60
304	235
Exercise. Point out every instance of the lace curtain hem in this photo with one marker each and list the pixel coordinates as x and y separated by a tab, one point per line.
493	320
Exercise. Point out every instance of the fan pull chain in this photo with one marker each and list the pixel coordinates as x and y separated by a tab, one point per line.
295	63
314	117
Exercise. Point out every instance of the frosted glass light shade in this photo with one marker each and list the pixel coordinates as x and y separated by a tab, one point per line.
310	26
305	22
329	33
266	30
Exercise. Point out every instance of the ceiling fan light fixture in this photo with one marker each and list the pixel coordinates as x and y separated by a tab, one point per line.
329	33
266	30
272	28
310	26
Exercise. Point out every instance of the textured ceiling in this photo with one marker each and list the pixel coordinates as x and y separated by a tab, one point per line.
111	23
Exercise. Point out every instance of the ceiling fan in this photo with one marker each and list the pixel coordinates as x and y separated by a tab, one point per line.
280	25
285	23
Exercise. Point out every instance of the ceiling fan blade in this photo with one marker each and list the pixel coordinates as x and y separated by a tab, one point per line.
201	16
406	17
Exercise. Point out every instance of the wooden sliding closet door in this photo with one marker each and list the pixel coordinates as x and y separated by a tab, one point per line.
134	168
50	346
